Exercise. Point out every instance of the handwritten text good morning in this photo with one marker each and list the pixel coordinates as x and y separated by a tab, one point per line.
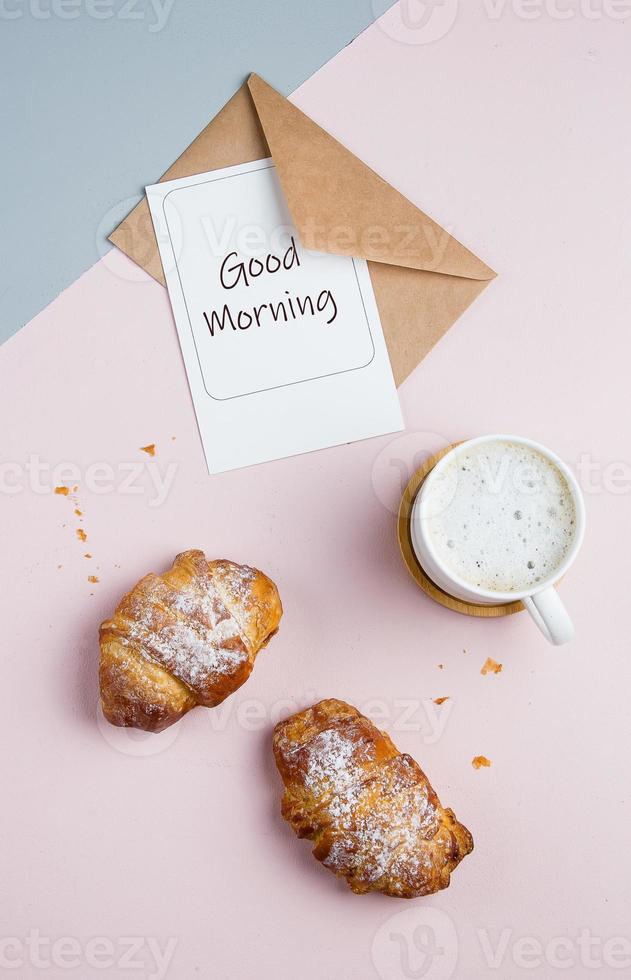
235	272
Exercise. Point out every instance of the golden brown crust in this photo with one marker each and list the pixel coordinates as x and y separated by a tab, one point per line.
184	638
370	811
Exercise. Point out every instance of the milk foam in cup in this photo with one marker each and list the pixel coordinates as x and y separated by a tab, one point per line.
501	518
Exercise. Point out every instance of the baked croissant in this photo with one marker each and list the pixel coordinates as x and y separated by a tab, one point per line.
184	638
371	812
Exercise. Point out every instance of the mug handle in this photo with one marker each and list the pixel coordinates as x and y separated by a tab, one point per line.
550	615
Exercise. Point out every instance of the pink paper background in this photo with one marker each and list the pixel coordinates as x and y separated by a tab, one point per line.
513	133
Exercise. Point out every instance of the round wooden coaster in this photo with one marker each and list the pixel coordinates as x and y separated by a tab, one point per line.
411	561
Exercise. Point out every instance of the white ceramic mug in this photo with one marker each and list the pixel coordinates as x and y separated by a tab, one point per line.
542	601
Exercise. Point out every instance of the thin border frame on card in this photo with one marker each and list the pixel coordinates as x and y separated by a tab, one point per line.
289	384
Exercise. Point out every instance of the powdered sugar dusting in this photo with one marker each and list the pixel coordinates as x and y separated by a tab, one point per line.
238	581
197	659
330	762
189	631
251	606
373	816
195	654
383	826
380	818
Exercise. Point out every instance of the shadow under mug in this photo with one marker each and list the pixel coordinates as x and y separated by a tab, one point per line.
542	601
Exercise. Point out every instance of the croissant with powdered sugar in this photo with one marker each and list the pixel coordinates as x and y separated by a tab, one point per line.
184	638
370	811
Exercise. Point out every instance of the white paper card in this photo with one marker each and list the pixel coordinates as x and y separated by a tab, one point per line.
283	347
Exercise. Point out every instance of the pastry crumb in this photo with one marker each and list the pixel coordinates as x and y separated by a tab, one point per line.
64	491
491	666
440	666
150	449
93	579
78	512
59	566
87	555
480	761
81	534
441	700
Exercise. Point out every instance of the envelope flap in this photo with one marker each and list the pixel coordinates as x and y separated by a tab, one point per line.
340	205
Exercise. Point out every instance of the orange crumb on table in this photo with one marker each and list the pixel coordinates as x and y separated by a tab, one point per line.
150	449
64	491
491	666
480	761
441	700
81	534
93	579
78	512
87	555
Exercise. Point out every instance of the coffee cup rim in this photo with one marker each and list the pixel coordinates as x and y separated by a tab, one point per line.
579	507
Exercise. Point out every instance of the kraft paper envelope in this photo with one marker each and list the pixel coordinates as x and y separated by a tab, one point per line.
422	277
